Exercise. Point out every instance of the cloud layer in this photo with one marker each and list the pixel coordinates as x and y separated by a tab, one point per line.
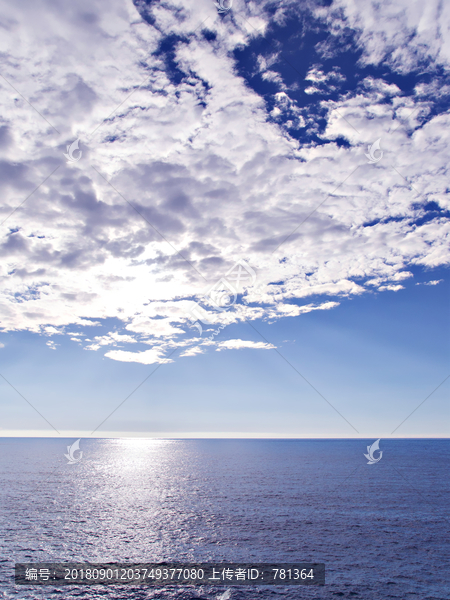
183	170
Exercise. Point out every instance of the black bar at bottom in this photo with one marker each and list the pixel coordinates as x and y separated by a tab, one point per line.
163	574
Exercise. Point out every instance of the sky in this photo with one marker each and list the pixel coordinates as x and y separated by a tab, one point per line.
225	219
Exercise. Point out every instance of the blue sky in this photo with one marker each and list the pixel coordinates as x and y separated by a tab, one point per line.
303	145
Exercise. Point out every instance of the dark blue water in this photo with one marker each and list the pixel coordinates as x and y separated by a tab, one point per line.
382	530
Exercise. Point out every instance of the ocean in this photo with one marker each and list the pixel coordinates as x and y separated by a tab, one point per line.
381	529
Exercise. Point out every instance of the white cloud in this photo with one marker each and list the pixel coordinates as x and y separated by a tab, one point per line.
154	327
52	331
111	339
391	288
292	310
240	344
432	282
202	162
323	83
192	351
402	33
147	357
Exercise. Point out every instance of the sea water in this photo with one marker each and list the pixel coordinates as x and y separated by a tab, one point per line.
382	529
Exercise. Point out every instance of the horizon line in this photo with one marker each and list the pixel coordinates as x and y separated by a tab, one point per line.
14	434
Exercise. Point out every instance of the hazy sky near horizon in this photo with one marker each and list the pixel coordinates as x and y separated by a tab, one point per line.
230	222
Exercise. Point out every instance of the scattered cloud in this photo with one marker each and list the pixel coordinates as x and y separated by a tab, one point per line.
240	344
399	34
323	83
432	282
111	339
148	357
391	288
192	351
